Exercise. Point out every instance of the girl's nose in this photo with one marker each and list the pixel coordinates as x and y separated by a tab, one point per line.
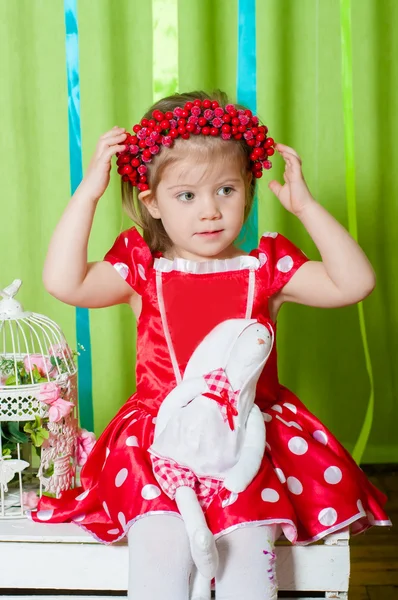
209	209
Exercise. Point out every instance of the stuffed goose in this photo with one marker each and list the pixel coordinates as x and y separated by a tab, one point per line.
209	432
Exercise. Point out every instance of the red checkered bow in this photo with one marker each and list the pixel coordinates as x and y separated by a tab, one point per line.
221	391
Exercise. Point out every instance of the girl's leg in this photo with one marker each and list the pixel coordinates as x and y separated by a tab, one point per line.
247	564
159	559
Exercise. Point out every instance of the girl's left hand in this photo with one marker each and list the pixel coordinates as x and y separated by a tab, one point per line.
294	195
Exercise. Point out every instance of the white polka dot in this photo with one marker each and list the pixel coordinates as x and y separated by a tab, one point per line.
106	509
271	234
132	441
291	407
141	272
150	492
126	241
129	414
122	269
320	436
327	517
28	514
122	519
82	496
333	475
267	418
79	518
280	474
154	420
298	445
360	506
45	515
371	517
107	453
230	500
121	477
268	446
277	408
294	485
269	495
262	258
113	531
285	264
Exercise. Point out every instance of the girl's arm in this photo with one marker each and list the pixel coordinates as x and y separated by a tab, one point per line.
345	275
67	275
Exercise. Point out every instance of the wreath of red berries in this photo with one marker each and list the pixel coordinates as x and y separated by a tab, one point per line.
203	117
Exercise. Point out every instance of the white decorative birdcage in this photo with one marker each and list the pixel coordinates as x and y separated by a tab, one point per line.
38	407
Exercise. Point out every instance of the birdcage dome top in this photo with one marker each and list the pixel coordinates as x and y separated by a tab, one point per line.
33	348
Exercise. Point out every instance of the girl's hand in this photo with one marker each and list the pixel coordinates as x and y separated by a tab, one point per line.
294	195
96	178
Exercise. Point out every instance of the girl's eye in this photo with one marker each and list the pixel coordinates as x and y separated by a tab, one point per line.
186	196
225	191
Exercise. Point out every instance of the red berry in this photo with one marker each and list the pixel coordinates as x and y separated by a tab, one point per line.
267	164
235	121
248	113
152	123
181	130
144	122
206	103
191	127
257	166
126	169
202	121
258	152
158	115
174	133
234	130
242	128
142	179
181	122
238	136
226	118
226	128
233	112
185	114
214	131
188	106
159	128
260	137
251	142
270	151
269	142
185	136
258	174
214	104
143	187
169	115
255	131
132	140
122	160
197	102
137	128
147	153
206	130
142	144
135	162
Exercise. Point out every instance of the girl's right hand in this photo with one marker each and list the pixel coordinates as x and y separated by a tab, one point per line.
97	176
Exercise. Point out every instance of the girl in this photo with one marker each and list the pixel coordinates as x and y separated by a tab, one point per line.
189	172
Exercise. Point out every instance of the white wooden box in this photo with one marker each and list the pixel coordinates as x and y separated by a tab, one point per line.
36	557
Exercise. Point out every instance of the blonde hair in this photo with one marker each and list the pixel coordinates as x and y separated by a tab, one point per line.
153	231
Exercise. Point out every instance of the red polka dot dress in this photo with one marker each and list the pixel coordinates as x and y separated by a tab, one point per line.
307	483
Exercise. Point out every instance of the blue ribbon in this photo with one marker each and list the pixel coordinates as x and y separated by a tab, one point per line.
247	95
76	174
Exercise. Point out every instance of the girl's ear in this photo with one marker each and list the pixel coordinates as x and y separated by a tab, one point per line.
149	201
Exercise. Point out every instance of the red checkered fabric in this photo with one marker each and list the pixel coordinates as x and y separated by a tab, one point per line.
170	476
217	382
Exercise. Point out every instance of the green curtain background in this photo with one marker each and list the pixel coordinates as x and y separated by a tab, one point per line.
299	84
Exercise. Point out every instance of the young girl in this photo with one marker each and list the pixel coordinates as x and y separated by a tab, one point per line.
193	161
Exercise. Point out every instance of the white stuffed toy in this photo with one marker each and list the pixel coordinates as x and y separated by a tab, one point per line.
209	432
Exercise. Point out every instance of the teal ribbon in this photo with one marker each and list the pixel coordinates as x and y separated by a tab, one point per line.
76	174
246	91
349	145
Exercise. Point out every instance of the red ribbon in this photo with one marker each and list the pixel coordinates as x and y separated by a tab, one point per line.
224	400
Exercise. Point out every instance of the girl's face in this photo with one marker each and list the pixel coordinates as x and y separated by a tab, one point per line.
201	207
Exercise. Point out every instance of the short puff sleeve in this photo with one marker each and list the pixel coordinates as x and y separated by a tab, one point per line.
132	259
279	260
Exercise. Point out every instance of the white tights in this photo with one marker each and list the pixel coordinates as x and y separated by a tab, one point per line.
160	562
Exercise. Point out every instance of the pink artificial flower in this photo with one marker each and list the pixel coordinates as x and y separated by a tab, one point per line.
39	361
195	111
244	119
248	135
173	123
178	111
208	114
217	122
134	149
230	108
30	499
167	141
49	393
226	136
59	350
59	409
154	149
142	169
218	112
85	443
193	119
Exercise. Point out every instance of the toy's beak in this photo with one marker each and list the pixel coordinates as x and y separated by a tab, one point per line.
260	341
